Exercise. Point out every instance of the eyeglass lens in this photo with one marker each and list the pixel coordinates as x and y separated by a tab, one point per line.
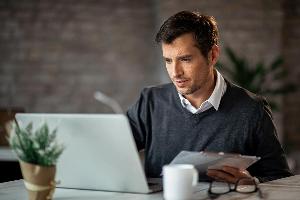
245	185
219	187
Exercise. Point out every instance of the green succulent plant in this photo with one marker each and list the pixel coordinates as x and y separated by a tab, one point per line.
257	78
37	147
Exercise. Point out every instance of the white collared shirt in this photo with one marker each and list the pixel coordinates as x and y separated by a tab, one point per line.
213	101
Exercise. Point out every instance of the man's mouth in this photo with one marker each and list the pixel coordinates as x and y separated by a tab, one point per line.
181	82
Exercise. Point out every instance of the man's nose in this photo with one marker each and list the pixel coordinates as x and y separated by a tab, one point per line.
177	69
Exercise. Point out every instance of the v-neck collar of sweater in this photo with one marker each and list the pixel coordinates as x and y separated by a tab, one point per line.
188	114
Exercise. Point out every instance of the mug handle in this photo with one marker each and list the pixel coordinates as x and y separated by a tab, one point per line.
195	177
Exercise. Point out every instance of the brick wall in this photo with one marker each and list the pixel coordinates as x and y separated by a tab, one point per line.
55	54
291	52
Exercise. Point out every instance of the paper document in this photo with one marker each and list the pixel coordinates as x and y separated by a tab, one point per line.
209	160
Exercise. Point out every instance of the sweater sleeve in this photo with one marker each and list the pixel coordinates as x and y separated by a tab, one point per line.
273	164
136	117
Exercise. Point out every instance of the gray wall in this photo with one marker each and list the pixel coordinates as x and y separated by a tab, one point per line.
55	54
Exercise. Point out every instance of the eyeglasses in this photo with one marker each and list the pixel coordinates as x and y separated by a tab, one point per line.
242	185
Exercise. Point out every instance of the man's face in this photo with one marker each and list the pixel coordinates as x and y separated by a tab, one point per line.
188	69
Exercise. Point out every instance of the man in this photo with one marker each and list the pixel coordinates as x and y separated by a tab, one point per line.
201	111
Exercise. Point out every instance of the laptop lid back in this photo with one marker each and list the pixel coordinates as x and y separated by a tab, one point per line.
100	151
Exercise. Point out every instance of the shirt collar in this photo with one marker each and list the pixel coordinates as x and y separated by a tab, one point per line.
220	88
215	97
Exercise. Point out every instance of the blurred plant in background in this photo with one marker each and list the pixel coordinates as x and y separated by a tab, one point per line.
266	80
36	147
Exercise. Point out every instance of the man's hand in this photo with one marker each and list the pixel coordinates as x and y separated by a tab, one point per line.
229	174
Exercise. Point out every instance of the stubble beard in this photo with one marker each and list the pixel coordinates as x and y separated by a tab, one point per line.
188	91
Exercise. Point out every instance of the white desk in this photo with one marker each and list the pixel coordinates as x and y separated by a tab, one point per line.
287	189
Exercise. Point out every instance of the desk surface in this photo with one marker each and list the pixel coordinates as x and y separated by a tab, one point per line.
287	188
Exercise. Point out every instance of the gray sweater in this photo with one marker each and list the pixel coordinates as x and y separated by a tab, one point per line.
242	124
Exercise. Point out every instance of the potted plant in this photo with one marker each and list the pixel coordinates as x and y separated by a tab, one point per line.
37	151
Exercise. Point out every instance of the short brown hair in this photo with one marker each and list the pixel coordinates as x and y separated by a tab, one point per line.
204	28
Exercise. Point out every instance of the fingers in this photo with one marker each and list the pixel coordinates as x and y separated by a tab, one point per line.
236	172
221	175
229	174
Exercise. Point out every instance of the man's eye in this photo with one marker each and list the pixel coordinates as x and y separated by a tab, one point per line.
186	59
168	61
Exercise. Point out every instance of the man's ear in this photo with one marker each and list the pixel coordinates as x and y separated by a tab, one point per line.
213	55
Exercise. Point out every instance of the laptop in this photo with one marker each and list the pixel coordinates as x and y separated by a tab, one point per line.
100	152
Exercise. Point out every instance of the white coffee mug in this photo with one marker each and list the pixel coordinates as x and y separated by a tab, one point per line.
179	181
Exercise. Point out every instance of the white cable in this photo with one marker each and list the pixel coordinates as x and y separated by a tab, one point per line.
113	104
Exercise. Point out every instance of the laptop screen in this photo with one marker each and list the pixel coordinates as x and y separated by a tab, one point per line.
100	151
